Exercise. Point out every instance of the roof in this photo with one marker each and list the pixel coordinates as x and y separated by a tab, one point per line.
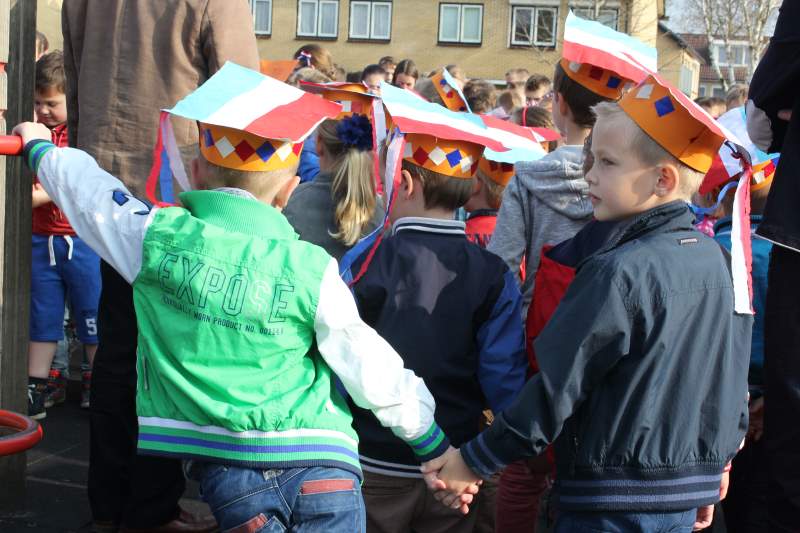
699	42
681	42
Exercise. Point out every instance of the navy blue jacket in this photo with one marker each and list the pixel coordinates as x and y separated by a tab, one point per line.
452	311
643	379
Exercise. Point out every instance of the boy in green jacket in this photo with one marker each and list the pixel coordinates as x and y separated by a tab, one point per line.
241	325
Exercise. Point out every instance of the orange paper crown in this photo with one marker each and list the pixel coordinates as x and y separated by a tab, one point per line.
600	81
680	127
239	150
500	173
354	98
450	95
454	158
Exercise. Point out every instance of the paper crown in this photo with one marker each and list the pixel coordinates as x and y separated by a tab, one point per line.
354	98
600	81
676	123
454	158
438	139
250	121
449	92
603	60
237	149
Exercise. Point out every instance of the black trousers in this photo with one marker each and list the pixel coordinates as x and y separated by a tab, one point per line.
782	394
746	505
137	491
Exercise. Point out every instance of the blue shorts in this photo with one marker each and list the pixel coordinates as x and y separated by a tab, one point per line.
75	274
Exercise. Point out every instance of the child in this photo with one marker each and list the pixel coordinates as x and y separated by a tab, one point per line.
340	206
61	263
536	117
372	76
644	342
714	105
406	75
388	64
451	309
239	381
746	504
515	80
495	170
481	96
506	103
546	202
536	88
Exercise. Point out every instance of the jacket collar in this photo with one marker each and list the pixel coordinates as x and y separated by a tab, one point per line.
238	213
428	225
482	213
674	216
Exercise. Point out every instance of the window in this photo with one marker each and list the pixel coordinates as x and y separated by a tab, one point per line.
740	55
534	26
608	17
460	23
317	18
686	80
371	20
262	16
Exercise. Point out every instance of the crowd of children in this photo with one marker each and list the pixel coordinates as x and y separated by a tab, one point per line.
445	318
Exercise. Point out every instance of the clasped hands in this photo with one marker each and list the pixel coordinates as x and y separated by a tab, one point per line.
453	483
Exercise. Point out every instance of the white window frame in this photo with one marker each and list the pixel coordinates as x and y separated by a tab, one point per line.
535	10
318	9
717	45
370	20
580	9
253	3
461	39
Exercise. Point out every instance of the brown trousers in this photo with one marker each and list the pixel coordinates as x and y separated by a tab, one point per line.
404	505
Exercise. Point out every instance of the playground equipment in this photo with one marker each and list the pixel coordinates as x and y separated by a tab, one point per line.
28	433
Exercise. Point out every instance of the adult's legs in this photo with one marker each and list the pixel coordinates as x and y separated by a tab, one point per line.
124	488
782	393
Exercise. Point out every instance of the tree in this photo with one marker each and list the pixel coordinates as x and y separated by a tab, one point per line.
725	21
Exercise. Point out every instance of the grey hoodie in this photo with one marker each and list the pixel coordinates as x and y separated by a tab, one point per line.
546	202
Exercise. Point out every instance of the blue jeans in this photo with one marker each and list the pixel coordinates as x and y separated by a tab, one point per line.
312	499
612	522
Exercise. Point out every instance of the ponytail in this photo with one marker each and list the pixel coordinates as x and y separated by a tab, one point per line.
353	186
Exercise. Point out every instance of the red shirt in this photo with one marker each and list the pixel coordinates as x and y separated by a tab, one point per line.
480	226
48	219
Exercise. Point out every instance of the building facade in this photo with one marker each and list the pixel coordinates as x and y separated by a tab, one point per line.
738	63
678	62
486	38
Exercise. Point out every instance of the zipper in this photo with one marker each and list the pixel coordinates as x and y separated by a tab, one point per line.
143	370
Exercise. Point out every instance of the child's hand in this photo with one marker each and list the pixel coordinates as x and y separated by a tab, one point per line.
453	482
32	131
756	427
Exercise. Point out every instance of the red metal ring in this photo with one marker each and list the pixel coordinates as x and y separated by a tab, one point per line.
28	435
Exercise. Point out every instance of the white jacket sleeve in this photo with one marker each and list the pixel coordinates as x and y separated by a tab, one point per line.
98	206
372	372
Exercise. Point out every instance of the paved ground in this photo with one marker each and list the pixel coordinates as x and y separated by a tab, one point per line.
55	496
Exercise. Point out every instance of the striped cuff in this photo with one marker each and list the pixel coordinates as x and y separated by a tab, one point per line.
480	459
431	444
34	151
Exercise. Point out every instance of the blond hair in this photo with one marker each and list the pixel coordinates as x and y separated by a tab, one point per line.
306	74
427	89
259	183
353	186
648	150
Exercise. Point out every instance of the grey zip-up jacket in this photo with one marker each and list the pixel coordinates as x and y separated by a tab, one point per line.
546	202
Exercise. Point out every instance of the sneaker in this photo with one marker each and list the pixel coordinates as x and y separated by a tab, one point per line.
56	391
36	394
86	388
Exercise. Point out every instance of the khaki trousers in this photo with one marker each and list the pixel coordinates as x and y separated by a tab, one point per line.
405	505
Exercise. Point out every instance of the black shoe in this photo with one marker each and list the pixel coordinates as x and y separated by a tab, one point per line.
37	393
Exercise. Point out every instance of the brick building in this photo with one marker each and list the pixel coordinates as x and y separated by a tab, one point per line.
709	83
486	38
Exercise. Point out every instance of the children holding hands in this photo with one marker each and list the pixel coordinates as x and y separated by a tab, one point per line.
644	419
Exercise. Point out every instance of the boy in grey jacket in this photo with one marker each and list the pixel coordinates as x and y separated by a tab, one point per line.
546	201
